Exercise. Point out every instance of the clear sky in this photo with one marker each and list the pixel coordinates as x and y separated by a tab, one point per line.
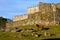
10	8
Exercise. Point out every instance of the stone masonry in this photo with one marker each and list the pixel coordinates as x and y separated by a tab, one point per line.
43	13
20	17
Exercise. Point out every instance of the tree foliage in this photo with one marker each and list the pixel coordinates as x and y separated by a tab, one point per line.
2	22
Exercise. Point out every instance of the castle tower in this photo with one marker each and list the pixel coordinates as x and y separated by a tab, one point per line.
58	12
32	10
48	13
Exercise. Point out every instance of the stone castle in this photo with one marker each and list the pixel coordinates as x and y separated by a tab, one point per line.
43	13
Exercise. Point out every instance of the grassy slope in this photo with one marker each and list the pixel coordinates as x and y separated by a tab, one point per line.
11	36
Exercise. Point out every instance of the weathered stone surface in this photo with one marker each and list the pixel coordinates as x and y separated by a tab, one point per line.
48	14
20	17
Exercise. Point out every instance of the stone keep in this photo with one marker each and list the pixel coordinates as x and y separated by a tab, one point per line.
43	13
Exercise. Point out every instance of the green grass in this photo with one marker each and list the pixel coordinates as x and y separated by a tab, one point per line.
14	35
28	26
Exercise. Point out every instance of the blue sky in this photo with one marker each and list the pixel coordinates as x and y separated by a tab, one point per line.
10	8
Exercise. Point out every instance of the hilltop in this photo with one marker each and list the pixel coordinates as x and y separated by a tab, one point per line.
40	22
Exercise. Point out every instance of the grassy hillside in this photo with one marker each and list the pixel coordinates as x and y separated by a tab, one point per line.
26	35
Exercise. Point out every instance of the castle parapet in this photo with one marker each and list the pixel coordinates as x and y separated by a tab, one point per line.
20	17
32	10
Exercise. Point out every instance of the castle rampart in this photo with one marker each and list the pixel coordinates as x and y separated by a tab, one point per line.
44	13
20	17
32	10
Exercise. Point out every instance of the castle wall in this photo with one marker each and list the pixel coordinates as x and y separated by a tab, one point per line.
32	10
58	15
58	5
48	13
19	23
44	13
43	7
20	17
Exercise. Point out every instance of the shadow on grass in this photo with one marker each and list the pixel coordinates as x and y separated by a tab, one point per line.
45	28
52	39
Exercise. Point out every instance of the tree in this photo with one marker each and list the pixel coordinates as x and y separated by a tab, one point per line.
3	22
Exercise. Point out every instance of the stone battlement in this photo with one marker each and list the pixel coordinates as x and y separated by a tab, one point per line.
20	17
